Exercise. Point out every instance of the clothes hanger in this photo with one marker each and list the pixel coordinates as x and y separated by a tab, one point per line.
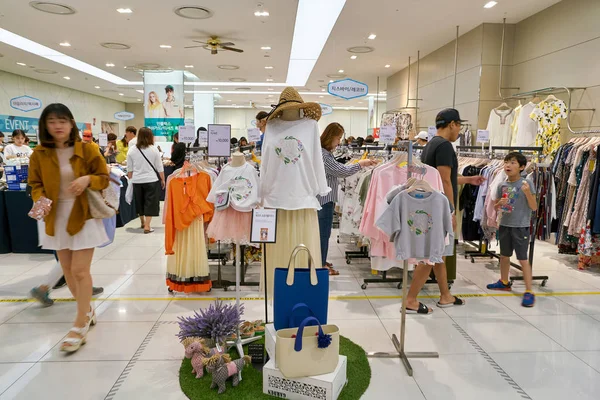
421	185
503	106
550	99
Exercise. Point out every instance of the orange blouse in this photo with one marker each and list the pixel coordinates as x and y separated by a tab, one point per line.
186	202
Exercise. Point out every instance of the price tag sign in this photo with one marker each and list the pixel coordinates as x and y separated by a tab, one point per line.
103	139
431	132
483	136
264	226
257	352
387	134
219	140
253	135
203	138
187	134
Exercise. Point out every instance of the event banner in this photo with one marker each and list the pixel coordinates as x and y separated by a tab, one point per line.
163	103
30	126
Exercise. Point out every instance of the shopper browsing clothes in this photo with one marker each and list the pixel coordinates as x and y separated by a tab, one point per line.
177	152
110	152
61	169
516	201
123	144
439	153
261	124
146	173
18	148
330	139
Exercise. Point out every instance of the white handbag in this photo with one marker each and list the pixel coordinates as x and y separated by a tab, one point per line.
308	350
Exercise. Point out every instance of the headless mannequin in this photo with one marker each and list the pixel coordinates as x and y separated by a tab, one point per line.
237	159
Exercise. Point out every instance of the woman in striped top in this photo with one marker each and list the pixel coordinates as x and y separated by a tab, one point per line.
330	139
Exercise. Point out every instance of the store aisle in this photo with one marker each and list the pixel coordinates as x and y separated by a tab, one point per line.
491	348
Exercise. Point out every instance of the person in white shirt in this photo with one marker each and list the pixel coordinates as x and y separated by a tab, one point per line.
18	148
146	173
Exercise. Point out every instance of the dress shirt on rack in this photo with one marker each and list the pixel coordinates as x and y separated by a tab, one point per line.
499	126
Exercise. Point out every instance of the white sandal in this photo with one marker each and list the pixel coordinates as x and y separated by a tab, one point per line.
71	344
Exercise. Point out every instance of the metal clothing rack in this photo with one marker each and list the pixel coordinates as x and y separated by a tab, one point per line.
482	248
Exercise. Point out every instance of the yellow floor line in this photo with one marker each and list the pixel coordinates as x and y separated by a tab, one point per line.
463	295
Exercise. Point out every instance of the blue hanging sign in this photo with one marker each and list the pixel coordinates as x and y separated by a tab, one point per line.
348	89
25	103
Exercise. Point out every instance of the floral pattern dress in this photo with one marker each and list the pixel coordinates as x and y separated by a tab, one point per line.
548	116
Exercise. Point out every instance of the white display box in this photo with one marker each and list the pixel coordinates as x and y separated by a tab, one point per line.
270	341
321	387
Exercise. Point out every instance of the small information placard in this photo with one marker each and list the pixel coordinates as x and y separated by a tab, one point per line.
257	352
219	140
264	226
387	134
103	139
483	136
431	132
253	135
187	134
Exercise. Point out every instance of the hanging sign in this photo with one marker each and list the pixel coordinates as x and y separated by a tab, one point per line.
203	138
387	134
326	109
431	132
124	116
187	134
219	140
103	139
483	136
348	89
25	103
264	226
253	135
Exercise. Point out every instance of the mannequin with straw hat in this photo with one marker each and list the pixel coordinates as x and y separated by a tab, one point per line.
292	175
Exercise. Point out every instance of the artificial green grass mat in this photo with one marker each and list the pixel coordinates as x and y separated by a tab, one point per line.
250	388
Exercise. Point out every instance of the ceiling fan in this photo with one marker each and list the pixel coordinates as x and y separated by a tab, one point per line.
214	45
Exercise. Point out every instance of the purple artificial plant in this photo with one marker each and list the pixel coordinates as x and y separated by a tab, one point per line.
217	322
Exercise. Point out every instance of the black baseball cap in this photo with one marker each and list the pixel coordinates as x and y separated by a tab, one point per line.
448	115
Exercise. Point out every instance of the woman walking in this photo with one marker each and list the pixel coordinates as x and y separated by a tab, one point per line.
61	169
146	172
330	139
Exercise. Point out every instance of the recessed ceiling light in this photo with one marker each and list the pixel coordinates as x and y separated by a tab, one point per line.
96	87
372	36
124	10
121	94
139	99
228	67
269	80
265	48
270	95
115	46
353	57
110	65
215	88
140	91
331	81
270	88
237	80
165	46
229	100
22	64
341	71
490	4
65	44
189	66
260	11
52	8
193	12
387	65
322	90
268	67
321	97
66	77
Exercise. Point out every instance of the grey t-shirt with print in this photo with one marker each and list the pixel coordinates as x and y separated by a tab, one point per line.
515	214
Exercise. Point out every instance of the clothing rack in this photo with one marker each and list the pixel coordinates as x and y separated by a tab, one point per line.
482	248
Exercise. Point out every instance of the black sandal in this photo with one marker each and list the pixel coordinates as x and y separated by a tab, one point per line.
457	302
423	309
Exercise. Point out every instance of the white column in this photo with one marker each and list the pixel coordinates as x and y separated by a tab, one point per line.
204	110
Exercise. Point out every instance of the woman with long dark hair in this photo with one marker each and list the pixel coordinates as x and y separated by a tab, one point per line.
61	169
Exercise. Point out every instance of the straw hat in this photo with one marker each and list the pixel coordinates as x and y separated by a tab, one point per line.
290	99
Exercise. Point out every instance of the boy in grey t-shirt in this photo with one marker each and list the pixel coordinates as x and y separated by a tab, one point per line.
516	201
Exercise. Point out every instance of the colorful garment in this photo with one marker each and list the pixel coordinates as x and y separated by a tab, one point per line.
548	116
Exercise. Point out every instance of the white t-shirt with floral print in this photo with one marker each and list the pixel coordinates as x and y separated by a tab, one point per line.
242	185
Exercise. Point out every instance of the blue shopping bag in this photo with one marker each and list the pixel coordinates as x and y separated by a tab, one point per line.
300	293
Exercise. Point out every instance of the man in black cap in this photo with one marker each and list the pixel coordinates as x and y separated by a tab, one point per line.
439	153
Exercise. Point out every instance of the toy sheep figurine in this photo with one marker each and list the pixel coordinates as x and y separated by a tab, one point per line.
198	353
222	368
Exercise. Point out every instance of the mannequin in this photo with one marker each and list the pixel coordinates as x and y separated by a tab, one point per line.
237	159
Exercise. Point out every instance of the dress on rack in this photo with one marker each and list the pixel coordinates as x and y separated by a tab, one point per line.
548	116
187	210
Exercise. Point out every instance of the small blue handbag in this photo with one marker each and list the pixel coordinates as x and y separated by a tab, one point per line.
300	293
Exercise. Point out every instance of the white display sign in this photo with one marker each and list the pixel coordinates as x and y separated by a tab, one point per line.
253	135
219	140
103	139
124	116
25	103
188	121
326	109
483	136
187	134
387	134
264	226
203	138
348	89
431	132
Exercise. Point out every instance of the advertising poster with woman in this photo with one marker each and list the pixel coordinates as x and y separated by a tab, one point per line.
163	103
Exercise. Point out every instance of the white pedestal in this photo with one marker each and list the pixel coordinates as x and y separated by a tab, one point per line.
323	387
270	340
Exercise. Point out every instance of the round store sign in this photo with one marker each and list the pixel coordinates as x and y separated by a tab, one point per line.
124	116
326	109
25	103
348	89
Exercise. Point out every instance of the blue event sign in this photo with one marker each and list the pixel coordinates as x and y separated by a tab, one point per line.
9	123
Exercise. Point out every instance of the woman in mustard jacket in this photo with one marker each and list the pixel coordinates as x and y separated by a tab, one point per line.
61	168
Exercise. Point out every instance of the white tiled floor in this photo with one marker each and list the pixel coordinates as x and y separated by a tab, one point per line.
492	348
